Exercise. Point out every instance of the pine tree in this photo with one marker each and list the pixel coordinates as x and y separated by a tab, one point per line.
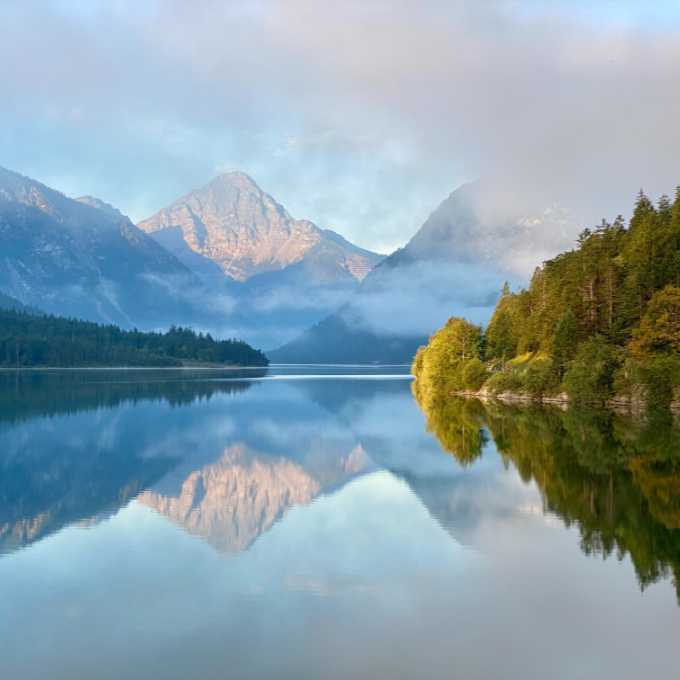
565	342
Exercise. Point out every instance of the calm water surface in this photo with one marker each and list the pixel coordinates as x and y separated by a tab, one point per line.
312	522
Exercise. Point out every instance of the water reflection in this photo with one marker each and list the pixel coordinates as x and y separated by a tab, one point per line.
244	492
226	464
616	477
75	446
27	394
176	525
223	463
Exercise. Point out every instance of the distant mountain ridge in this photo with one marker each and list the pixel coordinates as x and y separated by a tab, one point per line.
83	258
229	259
243	230
457	261
226	258
282	274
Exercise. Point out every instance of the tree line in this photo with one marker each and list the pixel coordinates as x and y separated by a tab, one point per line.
32	339
597	322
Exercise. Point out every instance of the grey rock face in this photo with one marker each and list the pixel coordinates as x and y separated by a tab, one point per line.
236	225
282	274
83	258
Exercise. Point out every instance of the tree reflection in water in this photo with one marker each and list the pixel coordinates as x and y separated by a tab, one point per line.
616	477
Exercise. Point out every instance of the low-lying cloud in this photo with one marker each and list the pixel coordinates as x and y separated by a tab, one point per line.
417	299
358	115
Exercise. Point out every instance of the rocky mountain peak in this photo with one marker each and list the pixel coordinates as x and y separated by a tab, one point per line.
86	215
15	188
97	203
482	223
83	258
237	178
245	231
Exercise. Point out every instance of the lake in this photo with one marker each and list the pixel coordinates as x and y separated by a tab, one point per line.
312	522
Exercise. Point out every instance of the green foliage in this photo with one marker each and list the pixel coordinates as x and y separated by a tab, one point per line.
564	342
659	329
504	381
474	374
660	376
590	376
440	366
615	298
584	292
501	337
28	339
539	378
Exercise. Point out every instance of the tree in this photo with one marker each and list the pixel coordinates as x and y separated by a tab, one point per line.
660	375
474	374
590	375
609	304
501	335
565	341
32	339
659	329
439	366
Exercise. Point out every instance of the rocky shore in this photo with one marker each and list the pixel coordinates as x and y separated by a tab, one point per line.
617	403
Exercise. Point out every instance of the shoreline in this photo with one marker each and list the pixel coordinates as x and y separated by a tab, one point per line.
230	367
562	401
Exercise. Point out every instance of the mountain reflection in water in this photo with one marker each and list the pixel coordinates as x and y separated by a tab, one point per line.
180	523
77	446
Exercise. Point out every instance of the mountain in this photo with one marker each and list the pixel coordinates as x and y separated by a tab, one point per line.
83	258
243	230
282	274
456	263
95	202
7	302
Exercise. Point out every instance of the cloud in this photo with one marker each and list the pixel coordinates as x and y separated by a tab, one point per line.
291	299
418	298
360	116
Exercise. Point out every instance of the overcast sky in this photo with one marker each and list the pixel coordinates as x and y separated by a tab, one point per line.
361	116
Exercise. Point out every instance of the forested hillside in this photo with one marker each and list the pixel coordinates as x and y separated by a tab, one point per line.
600	321
28	339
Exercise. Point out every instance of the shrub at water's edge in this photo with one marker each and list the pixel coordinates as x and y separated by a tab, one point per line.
598	323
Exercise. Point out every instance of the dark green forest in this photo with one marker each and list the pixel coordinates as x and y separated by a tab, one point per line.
32	339
599	322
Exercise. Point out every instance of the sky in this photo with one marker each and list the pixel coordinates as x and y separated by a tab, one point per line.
361	116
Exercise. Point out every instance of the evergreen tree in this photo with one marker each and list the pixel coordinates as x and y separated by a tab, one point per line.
610	304
31	339
659	329
565	342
